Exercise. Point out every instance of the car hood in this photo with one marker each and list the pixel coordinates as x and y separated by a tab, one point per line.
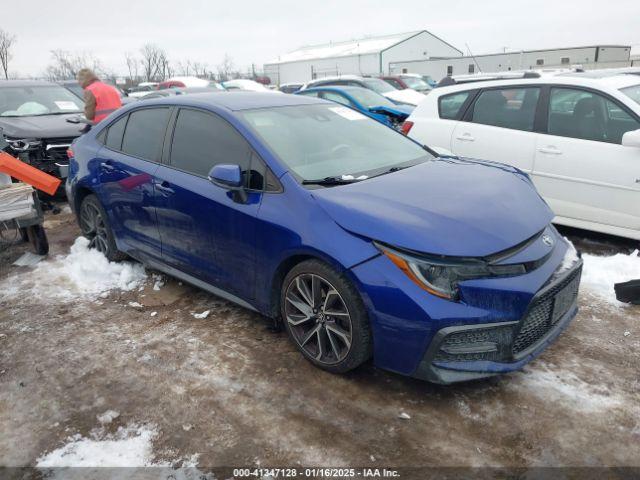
407	95
453	207
40	126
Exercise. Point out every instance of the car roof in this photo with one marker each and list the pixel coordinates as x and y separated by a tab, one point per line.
237	100
618	81
27	83
339	88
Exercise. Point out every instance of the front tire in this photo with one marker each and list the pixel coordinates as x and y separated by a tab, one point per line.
95	226
325	317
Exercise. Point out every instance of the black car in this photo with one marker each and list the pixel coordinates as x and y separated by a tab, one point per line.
33	120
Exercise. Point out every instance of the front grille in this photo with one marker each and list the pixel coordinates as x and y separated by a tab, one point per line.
547	309
55	149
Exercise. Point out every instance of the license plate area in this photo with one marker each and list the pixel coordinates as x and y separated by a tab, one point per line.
564	300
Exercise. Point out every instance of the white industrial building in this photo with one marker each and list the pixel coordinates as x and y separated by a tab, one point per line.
599	56
367	56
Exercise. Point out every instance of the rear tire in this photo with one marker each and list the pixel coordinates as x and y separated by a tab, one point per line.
94	225
325	317
38	239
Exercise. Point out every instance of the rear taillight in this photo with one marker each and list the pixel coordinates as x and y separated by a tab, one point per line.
69	153
406	127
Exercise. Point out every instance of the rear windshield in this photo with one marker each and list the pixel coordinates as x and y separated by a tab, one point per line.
319	141
378	85
632	92
42	100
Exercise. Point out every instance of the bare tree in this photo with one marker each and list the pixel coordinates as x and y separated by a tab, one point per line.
132	65
155	63
192	68
225	69
65	65
6	42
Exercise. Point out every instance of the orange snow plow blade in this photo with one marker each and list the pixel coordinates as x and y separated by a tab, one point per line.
28	174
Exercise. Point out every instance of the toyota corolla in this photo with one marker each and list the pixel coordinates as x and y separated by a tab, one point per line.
362	242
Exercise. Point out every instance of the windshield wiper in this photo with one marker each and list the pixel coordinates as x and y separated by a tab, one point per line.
329	181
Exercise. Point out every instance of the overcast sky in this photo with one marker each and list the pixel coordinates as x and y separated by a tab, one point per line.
256	31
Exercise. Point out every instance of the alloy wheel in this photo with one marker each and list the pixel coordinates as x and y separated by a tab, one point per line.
318	318
93	226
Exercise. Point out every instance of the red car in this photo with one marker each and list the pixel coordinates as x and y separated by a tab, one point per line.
402	82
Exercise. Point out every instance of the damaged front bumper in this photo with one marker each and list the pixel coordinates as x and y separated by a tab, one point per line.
467	352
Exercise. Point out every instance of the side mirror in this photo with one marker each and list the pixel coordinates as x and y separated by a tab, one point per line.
631	139
230	178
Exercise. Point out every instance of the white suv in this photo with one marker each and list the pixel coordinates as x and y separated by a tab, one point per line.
577	137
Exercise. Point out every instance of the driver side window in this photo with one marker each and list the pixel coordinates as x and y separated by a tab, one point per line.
586	115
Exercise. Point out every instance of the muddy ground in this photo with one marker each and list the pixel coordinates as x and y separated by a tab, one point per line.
233	393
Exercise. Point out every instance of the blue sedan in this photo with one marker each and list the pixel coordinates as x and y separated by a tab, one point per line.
361	242
365	101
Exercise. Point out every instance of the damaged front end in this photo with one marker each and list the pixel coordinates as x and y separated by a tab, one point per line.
48	155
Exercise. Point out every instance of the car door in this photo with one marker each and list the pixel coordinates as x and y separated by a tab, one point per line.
206	232
499	126
581	168
127	164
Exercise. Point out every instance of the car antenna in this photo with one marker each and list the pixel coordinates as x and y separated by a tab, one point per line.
474	58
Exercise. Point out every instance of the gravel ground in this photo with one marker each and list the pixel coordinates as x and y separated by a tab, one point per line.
222	390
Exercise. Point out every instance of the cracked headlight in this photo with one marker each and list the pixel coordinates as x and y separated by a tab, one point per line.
440	276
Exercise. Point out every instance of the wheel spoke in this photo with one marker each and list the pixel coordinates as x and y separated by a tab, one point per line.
300	305
316	290
334	347
331	294
321	352
309	335
342	334
303	288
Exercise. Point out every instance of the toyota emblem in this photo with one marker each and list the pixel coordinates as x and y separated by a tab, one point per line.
547	240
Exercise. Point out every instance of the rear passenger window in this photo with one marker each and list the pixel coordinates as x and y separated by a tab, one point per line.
114	133
513	108
202	140
450	105
588	116
145	132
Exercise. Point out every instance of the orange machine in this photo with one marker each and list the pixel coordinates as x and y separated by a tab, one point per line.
28	174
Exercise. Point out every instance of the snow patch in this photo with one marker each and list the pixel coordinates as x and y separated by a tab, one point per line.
564	387
128	447
204	314
108	416
600	273
84	272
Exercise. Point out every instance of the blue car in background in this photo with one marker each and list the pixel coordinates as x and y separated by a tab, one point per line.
365	101
360	241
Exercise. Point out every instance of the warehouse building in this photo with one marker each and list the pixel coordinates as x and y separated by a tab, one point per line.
368	56
599	56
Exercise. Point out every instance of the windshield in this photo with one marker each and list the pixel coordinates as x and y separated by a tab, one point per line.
369	98
320	141
632	92
416	83
42	100
378	85
76	89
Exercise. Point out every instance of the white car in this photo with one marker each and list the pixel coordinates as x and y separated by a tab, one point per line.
245	84
577	137
407	96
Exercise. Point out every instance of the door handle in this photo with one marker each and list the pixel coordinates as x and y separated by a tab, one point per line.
164	188
107	165
465	137
550	150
